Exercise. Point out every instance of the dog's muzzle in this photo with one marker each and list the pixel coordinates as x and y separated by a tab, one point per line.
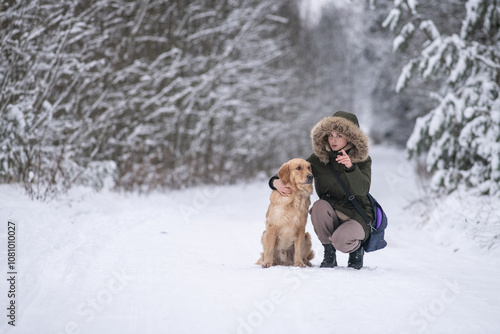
310	179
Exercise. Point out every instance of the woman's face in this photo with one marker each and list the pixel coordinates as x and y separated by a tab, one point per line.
337	141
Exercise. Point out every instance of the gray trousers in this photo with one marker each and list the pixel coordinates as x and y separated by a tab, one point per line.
346	236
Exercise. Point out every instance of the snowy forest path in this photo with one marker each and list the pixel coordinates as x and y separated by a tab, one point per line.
183	262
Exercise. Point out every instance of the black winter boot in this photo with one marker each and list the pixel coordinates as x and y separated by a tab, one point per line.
356	258
330	259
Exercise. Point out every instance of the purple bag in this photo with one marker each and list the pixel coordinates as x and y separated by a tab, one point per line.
376	240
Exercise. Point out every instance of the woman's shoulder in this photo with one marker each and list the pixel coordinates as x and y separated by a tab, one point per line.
313	159
367	161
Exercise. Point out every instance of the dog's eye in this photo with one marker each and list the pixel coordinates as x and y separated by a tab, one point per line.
299	168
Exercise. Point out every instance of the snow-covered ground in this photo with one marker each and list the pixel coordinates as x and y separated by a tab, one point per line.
183	262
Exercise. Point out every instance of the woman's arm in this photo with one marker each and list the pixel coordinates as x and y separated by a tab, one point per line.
276	184
360	177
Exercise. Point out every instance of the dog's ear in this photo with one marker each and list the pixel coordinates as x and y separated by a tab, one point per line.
284	173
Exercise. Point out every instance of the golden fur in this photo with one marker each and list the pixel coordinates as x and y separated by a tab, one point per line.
285	240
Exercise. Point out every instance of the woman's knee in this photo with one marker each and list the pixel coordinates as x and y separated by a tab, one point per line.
323	219
322	213
320	206
348	236
320	210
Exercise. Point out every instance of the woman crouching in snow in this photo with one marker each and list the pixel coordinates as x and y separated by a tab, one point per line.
338	143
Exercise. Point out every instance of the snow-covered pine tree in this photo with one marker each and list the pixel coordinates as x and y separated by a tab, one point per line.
460	137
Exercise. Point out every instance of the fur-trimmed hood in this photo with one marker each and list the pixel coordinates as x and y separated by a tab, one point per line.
346	124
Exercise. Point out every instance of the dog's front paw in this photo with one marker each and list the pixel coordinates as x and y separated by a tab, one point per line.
267	264
299	264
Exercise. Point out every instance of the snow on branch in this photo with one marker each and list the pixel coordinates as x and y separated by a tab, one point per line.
276	18
403	38
406	74
392	19
430	29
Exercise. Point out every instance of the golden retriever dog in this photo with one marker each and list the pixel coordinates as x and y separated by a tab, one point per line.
285	240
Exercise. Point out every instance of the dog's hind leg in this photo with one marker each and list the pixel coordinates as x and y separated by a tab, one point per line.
308	253
290	252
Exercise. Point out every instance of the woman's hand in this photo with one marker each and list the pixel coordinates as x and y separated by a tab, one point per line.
344	159
282	188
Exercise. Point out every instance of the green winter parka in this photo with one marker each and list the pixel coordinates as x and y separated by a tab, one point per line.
357	178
